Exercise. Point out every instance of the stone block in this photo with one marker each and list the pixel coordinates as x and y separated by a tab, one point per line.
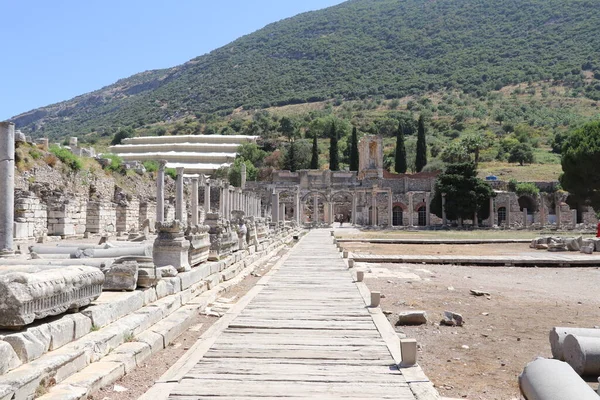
167	305
195	275
25	296
97	375
61	332
30	344
175	324
111	306
408	348
83	325
8	358
121	276
412	318
149	296
170	247
154	340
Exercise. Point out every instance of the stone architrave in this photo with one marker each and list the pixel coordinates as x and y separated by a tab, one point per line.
194	220
170	247
179	200
199	240
27	296
7	185
160	191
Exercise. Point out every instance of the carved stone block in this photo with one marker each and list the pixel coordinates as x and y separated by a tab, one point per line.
171	247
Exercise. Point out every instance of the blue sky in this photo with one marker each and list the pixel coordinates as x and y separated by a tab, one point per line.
56	50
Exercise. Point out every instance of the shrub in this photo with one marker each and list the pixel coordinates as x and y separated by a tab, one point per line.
172	172
116	163
151	165
527	188
67	158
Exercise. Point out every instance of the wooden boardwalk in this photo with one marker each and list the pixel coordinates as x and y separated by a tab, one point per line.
306	334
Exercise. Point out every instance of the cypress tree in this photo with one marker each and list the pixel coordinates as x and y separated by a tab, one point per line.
291	157
400	161
334	162
421	156
314	161
354	151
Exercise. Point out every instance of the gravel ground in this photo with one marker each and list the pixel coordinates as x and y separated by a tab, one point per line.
502	332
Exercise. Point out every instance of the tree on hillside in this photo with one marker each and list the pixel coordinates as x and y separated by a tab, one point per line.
474	143
354	151
400	161
234	173
579	158
288	127
291	161
421	158
314	161
465	193
521	153
334	162
123	133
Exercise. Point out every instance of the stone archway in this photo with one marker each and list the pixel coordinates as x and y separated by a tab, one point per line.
341	204
312	205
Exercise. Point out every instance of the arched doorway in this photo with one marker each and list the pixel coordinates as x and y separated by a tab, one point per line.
422	214
397	216
501	215
342	206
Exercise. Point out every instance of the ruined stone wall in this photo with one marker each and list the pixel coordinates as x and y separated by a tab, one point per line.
101	217
31	216
147	212
67	215
128	216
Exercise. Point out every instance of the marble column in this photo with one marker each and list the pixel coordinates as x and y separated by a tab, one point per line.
557	212
275	207
194	220
222	199
207	196
297	206
542	210
525	217
240	202
508	213
353	216
411	210
444	219
390	209
179	200
243	173
374	208
492	213
475	220
427	210
315	209
160	191
7	183
282	212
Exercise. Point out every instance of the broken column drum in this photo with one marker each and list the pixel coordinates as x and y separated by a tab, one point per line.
582	353
7	183
25	297
558	335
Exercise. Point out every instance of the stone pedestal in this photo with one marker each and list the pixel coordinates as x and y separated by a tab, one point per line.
171	247
222	240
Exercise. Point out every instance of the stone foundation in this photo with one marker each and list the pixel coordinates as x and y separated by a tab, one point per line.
31	216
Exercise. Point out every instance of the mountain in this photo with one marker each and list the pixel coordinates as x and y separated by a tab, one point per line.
357	49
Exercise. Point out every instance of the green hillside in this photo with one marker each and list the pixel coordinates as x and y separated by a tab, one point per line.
359	49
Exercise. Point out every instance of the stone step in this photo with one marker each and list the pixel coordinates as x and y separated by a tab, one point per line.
103	356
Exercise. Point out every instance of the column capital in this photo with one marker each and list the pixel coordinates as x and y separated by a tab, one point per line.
161	165
180	170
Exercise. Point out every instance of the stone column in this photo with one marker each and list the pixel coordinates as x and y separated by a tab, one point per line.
275	207
353	219
557	212
240	200
315	209
222	200
492	214
508	212
542	211
374	208
7	183
194	220
160	192
574	217
410	209
444	219
243	173
427	210
525	217
390	209
282	212
179	201
475	220
297	206
207	196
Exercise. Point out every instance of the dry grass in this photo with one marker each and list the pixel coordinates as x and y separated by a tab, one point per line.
527	173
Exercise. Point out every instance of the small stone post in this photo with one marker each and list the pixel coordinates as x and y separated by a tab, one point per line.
542	210
194	220
179	202
7	183
492	214
243	173
207	196
574	217
160	192
525	217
